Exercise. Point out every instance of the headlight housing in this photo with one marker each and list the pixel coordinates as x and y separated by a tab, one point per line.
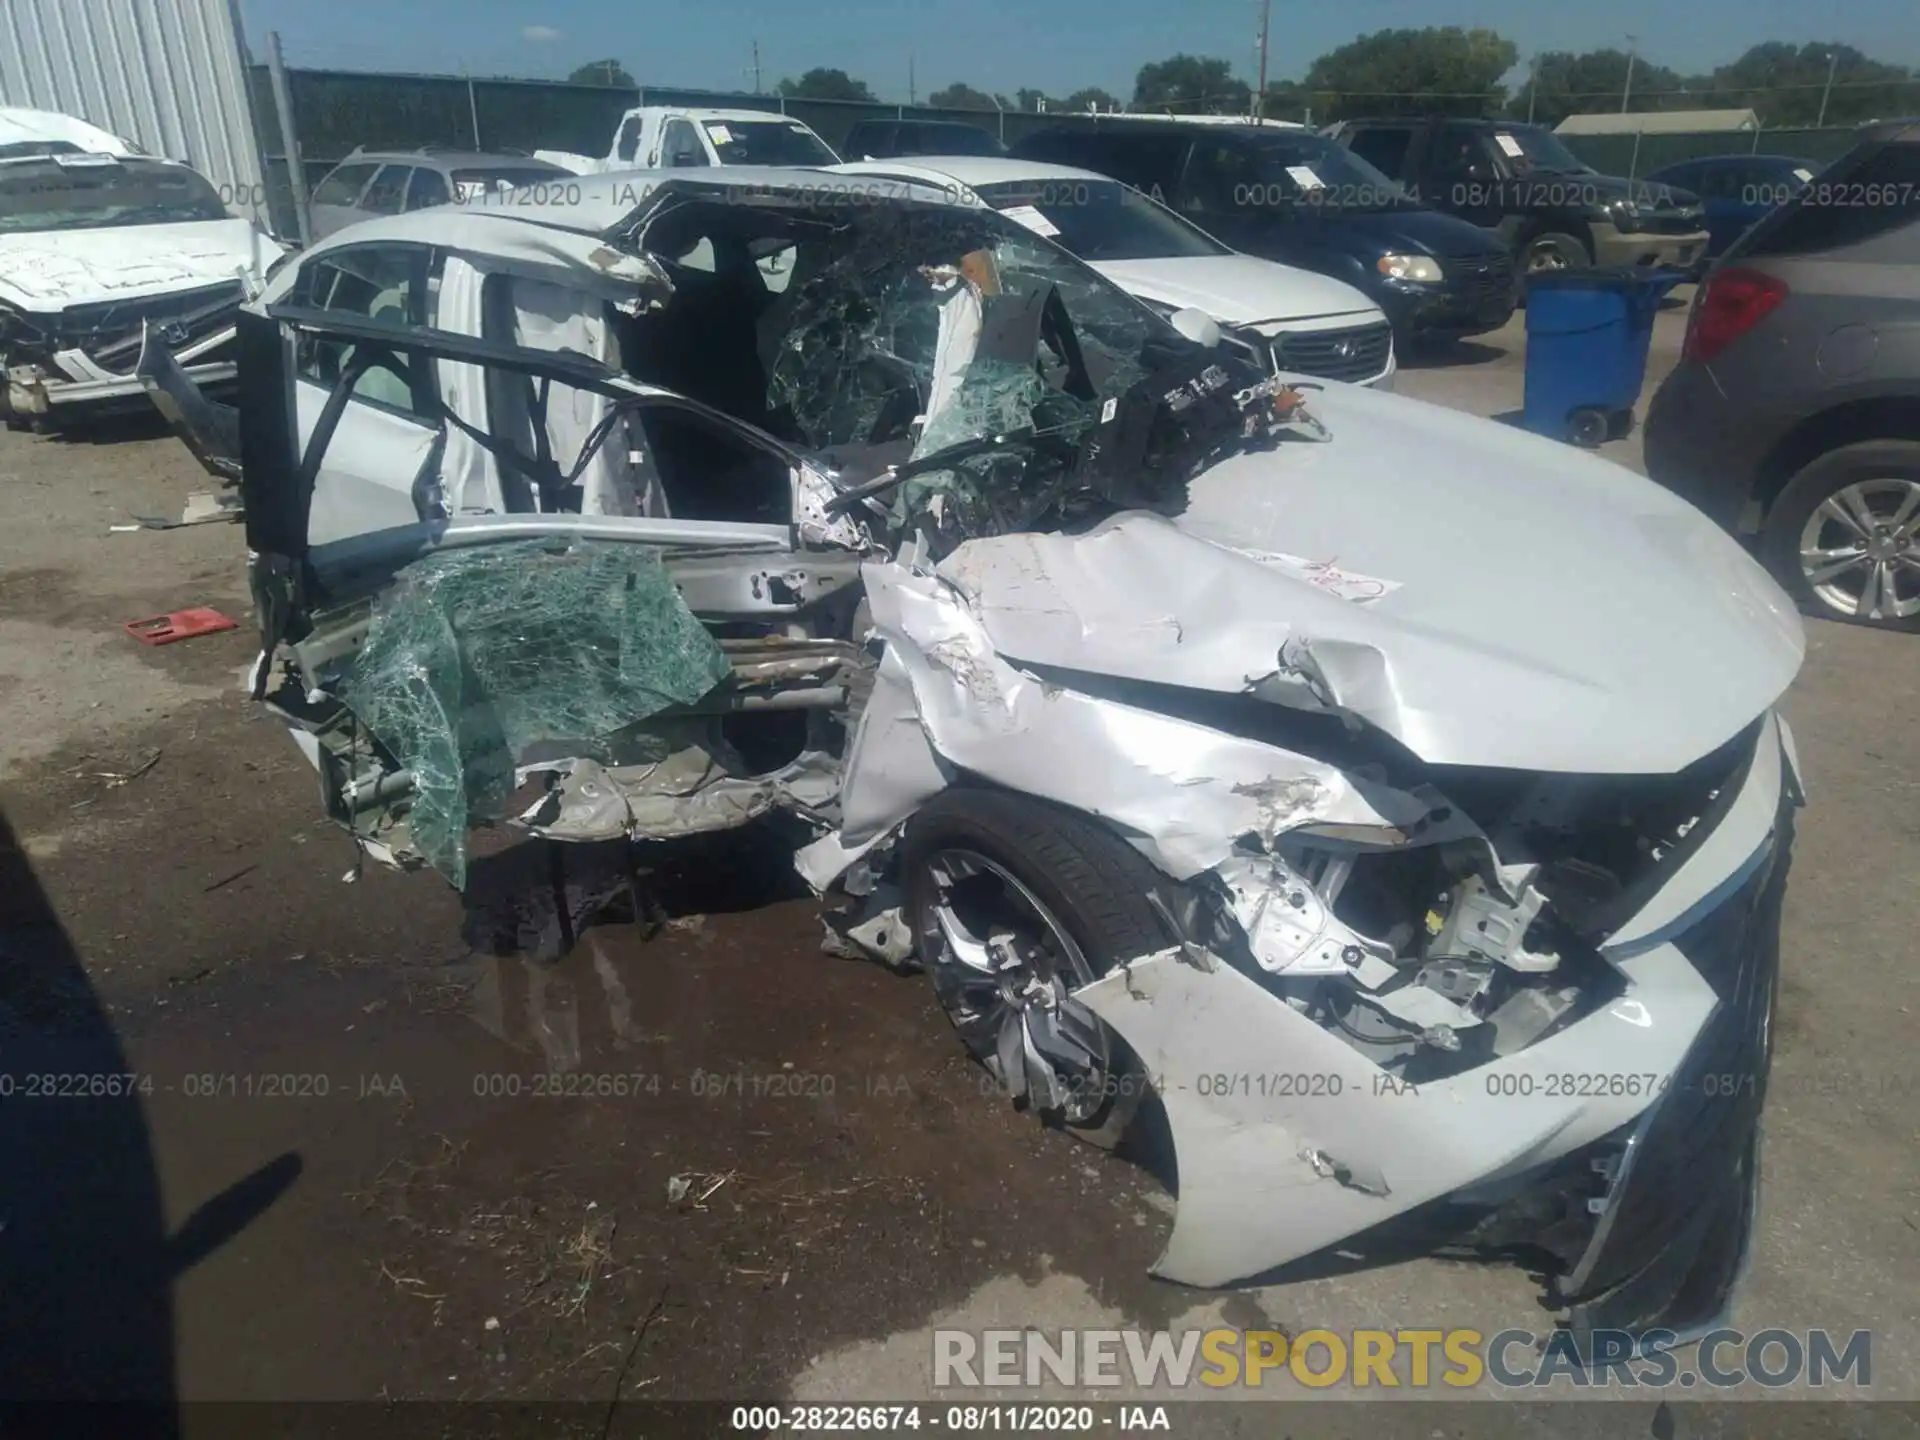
1625	214
1419	269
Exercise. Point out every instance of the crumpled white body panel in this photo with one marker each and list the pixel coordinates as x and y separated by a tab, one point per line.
1537	608
50	270
1180	792
1288	1138
1262	1104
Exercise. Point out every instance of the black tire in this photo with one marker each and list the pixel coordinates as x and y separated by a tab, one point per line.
1806	493
1543	250
1095	887
1589	428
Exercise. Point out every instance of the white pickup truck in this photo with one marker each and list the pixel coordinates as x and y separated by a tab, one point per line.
667	137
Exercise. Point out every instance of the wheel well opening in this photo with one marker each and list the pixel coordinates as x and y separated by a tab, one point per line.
1571	225
1887	417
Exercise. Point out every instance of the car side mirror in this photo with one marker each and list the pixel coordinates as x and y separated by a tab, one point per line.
1197	326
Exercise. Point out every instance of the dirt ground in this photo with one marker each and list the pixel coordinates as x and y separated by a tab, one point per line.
348	1172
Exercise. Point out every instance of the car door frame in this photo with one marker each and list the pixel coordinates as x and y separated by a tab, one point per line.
738	569
1407	173
378	437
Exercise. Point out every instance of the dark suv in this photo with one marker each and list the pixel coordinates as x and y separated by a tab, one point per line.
1794	415
1290	195
1556	211
892	139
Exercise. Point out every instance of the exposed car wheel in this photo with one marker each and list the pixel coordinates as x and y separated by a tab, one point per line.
1014	904
1844	536
1554	250
1589	429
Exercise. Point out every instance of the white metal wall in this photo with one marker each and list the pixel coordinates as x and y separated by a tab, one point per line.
168	75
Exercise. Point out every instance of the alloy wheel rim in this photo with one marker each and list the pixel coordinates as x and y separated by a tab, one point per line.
1004	967
1860	549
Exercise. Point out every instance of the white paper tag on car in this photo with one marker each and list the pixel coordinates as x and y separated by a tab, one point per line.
1508	144
1802	175
1030	217
1303	176
721	135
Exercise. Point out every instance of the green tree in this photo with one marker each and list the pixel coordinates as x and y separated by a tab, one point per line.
1593	82
1091	98
1034	100
963	97
602	72
1784	84
1191	85
1288	100
821	83
1444	70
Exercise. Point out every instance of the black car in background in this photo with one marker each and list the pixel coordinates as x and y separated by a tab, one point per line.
892	139
1793	416
1736	190
1556	211
1293	196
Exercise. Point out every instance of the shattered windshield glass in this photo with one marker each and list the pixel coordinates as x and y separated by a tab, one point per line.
957	371
476	656
913	329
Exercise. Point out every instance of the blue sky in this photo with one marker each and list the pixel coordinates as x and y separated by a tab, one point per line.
1054	45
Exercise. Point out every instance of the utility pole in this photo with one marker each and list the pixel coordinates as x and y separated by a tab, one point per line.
1533	87
289	138
1260	94
911	93
756	67
1827	90
1626	93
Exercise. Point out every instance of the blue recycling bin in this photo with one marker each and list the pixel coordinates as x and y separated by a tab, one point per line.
1587	338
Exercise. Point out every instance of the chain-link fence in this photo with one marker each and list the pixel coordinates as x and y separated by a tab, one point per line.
1636	155
337	110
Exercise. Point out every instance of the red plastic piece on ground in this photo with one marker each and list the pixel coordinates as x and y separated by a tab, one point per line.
180	625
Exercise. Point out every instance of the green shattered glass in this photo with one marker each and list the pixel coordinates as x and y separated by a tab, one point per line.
474	656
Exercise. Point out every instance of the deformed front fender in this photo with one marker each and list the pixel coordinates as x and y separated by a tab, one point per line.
1183	793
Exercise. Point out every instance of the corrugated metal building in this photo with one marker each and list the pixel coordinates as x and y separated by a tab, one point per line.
169	75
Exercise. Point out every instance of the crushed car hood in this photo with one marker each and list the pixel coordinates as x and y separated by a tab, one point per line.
47	271
1485	597
1238	289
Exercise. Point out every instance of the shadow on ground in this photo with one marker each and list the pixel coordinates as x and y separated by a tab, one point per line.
86	1263
1448	355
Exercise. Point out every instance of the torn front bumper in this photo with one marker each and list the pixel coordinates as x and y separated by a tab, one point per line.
1673	1230
1625	1144
72	381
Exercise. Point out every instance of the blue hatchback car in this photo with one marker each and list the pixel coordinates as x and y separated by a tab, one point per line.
1736	190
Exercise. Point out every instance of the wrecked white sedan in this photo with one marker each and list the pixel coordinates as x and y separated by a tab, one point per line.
1395	800
98	241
